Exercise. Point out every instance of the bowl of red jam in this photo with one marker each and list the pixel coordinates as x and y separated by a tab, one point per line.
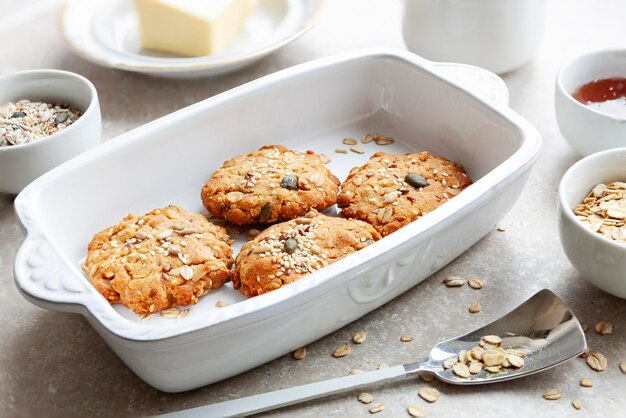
590	101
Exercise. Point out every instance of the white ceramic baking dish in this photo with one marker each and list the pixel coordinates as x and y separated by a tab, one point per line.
457	111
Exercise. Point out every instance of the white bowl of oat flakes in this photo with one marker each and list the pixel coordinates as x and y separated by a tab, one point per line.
46	118
592	215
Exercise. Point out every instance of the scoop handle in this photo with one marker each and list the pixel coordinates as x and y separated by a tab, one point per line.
285	397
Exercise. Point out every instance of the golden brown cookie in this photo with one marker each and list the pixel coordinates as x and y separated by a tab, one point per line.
269	185
286	252
163	258
390	191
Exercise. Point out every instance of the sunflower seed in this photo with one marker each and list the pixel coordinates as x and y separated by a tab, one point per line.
461	370
416	411
428	394
350	141
357	149
552	394
604	328
406	338
266	212
597	361
474	307
342	351
586	383
377	407
365	398
359	337
300	353
475	283
576	404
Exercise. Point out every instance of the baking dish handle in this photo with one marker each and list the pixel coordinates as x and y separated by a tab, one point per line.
42	276
485	84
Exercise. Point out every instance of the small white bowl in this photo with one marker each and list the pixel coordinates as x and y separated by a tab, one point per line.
598	259
588	130
21	164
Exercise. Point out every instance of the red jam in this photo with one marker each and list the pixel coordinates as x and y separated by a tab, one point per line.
606	95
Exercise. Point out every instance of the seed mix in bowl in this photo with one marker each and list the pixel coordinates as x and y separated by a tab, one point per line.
604	210
25	121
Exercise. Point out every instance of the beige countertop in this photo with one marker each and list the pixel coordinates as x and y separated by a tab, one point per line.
54	364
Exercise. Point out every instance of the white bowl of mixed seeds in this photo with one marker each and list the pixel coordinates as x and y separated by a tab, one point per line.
592	215
46	118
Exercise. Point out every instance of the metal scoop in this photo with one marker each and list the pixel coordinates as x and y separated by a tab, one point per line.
543	327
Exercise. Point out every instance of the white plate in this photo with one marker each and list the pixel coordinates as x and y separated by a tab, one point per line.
310	106
106	32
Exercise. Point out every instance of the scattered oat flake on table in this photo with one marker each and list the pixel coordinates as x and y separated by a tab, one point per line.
585	327
342	351
475	283
170	313
428	394
426	377
597	361
359	337
377	407
500	228
576	404
454	281
355	371
552	394
220	304
341	150
383	365
585	353
349	141
416	411
622	366
586	383
300	353
406	338
604	328
365	397
367	139
474	307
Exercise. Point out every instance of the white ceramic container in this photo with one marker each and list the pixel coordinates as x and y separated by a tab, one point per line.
21	164
499	35
599	260
588	130
310	106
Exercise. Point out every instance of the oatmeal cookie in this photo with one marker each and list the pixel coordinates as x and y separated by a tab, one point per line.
269	185
286	252
390	191
163	258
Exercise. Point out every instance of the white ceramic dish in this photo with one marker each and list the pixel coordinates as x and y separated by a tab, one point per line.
310	106
588	130
21	164
106	32
499	35
599	260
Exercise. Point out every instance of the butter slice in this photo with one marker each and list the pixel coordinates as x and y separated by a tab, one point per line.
191	27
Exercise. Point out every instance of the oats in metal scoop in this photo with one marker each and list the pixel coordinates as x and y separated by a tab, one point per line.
461	370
